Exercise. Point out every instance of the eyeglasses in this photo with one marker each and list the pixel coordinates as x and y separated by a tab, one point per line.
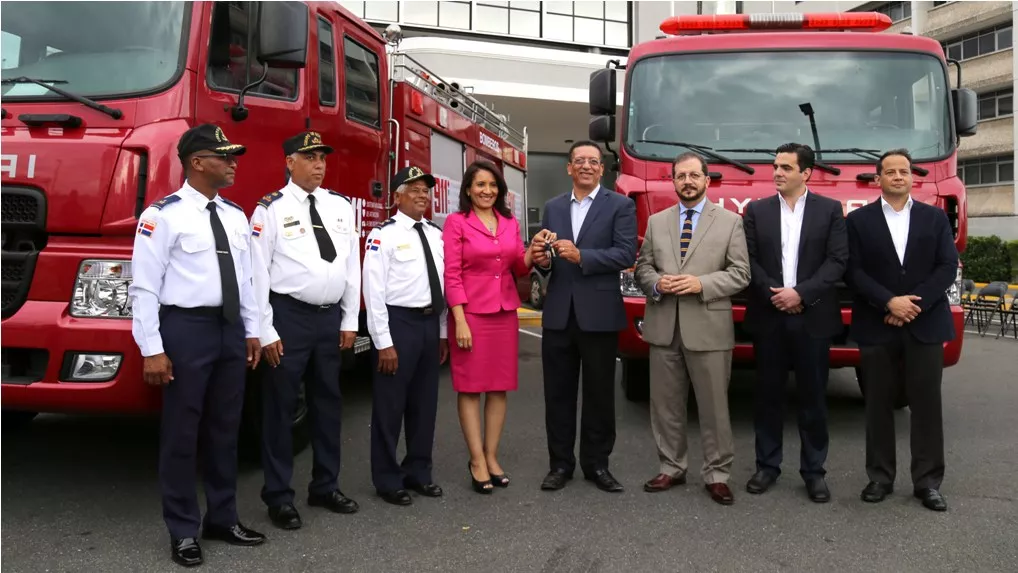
227	157
580	161
695	176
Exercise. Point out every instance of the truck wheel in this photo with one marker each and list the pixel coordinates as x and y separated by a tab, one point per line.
250	445
900	402
536	298
17	419
636	379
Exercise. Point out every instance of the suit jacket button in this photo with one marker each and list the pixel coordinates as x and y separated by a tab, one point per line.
496	241
496	276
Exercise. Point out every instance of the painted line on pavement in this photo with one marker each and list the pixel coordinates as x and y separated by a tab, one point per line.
528	333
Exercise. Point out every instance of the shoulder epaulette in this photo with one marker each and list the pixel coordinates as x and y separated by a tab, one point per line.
433	224
338	194
387	222
165	201
231	203
268	199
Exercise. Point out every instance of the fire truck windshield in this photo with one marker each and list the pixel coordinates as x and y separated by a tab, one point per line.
751	101
94	49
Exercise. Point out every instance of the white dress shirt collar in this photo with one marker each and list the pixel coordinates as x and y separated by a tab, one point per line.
406	221
887	206
298	193
591	196
698	208
195	197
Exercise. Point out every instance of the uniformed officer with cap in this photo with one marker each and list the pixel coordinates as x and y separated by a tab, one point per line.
403	294
308	282
193	304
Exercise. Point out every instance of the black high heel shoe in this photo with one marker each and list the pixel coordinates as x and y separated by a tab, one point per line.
499	480
482	487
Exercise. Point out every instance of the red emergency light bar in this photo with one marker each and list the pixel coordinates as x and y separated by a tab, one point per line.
868	21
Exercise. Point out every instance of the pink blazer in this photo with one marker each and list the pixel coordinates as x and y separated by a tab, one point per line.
481	269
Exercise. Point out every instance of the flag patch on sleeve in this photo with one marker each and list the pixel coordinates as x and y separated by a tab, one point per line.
146	227
374	244
256	229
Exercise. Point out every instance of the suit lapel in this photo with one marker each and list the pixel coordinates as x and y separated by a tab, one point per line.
910	241
807	223
772	213
885	232
595	209
675	232
702	227
474	221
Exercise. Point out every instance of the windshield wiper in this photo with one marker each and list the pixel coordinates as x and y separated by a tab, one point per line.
828	168
112	112
708	151
874	154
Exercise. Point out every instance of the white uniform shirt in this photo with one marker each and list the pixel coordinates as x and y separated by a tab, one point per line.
791	230
175	263
396	273
898	223
288	261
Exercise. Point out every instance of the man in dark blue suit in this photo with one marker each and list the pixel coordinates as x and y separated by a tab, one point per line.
902	260
594	239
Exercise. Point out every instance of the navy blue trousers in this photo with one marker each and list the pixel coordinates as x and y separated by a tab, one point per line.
311	352
789	347
201	410
409	396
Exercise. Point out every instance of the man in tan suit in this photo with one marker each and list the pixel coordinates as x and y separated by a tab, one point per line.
693	259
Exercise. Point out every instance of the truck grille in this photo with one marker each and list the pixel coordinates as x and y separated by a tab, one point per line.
23	222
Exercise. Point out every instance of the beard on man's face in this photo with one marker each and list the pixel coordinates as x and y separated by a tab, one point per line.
692	192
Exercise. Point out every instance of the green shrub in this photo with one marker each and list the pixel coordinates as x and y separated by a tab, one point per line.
1012	249
986	259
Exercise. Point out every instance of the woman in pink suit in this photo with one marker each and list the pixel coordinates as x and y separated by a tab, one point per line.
484	254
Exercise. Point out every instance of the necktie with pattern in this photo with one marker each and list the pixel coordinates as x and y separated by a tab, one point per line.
227	272
687	233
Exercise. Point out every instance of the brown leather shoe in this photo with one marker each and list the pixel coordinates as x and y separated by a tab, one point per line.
664	482
721	493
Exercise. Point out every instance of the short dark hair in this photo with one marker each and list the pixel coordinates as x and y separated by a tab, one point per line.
690	155
804	155
585	143
900	152
468	180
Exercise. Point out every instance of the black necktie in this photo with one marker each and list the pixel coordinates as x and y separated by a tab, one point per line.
227	272
437	300
325	247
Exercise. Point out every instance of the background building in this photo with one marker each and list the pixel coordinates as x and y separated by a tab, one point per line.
532	61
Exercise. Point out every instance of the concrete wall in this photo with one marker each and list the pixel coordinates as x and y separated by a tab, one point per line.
959	18
991	201
994	137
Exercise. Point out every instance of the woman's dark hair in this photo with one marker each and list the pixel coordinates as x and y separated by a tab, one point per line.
468	180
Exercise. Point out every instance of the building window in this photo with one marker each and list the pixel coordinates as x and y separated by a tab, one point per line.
941	2
896	11
987	170
362	84
326	64
979	43
386	11
233	62
996	104
597	23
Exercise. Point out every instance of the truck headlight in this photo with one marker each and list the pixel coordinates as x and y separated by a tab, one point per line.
101	290
93	367
627	283
954	291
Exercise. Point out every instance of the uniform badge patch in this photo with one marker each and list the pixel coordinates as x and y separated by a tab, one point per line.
403	247
374	244
146	227
256	230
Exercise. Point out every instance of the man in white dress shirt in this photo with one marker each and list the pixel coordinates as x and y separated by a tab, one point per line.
798	250
194	306
404	267
308	284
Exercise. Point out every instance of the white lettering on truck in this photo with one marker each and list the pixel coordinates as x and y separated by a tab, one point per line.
9	166
490	142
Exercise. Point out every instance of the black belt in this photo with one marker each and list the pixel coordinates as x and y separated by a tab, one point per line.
317	307
216	311
425	310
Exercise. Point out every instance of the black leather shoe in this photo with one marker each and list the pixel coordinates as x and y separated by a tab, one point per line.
285	516
605	481
234	535
931	499
556	479
761	482
186	552
876	492
398	497
335	501
427	490
816	488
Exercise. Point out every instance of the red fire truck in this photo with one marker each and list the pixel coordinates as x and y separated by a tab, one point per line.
89	131
735	87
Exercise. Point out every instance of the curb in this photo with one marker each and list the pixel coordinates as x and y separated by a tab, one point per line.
529	317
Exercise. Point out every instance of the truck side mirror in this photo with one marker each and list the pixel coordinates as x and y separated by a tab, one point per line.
602	92
601	128
966	118
283	35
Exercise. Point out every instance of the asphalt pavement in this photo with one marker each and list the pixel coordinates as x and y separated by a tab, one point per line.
81	494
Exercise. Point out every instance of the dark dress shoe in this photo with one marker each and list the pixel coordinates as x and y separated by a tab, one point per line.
931	499
605	481
285	516
556	479
817	490
186	552
721	493
335	501
761	482
663	482
876	492
236	534
398	497
427	490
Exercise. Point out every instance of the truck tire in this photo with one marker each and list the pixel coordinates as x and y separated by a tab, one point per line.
17	419
536	297
900	403
250	445
636	379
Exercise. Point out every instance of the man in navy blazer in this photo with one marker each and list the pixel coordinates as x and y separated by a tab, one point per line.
902	260
594	232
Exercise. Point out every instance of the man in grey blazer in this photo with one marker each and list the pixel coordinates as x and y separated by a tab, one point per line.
693	259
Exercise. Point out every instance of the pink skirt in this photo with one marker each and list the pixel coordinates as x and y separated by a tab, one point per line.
492	365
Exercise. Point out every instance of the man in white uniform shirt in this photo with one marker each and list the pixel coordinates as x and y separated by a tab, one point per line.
307	279
404	267
194	306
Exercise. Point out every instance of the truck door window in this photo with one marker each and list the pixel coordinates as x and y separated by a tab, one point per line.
326	64
232	61
361	79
